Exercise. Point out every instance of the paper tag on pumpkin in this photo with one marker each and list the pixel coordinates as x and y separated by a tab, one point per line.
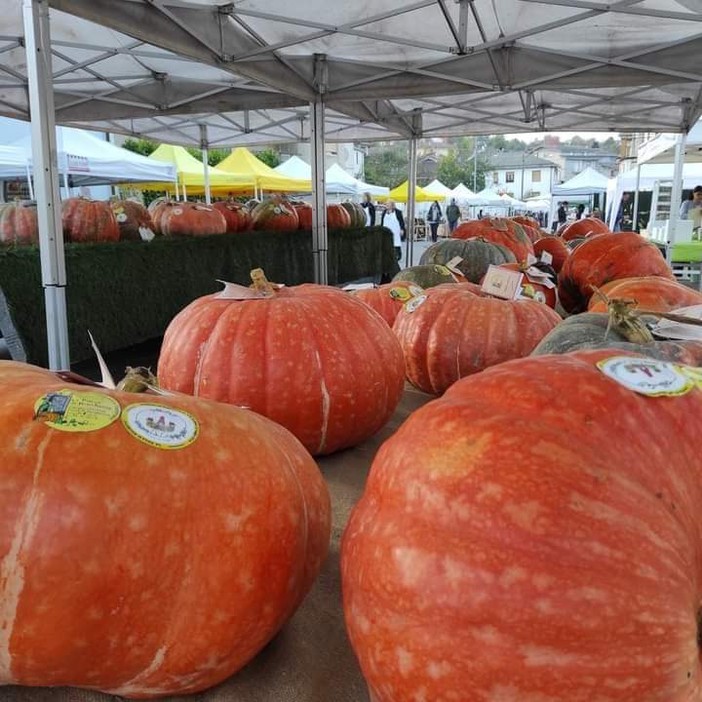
76	411
146	234
359	286
650	377
415	303
535	275
502	282
160	426
546	258
668	329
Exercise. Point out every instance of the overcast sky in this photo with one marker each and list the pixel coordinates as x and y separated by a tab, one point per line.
564	136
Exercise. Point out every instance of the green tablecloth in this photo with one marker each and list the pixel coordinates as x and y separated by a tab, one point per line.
689	252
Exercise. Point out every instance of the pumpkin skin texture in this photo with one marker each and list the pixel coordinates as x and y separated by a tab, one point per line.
585	228
311	358
190	219
236	216
131	216
500	231
338	217
483	565
18	223
304	215
604	258
589	330
274	214
555	246
654	294
149	610
88	220
456	333
477	256
357	214
426	275
387	300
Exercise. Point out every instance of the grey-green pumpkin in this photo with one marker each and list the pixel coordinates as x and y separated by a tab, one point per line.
477	255
426	275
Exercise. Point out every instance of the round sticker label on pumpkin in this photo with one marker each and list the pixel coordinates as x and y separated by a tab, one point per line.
121	217
159	426
177	210
401	294
647	376
68	410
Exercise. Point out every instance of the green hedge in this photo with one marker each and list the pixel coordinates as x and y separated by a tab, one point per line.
127	292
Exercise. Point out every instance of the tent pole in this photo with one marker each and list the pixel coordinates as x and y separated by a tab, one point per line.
676	194
35	14
29	183
411	200
636	197
319	195
66	187
205	159
185	193
177	192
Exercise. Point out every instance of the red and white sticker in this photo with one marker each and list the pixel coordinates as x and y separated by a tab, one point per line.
650	377
160	426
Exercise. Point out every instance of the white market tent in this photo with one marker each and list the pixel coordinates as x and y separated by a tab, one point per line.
489	198
208	72
295	167
436	186
661	149
13	163
89	160
463	194
587	182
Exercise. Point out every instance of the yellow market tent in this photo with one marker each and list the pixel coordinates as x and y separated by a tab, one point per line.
241	162
190	173
400	194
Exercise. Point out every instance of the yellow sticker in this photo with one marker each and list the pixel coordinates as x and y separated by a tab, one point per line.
69	410
650	377
160	426
401	294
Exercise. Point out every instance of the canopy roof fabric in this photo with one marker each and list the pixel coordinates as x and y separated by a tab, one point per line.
401	194
13	162
463	193
436	186
248	70
190	171
489	198
295	167
89	160
585	183
661	149
243	164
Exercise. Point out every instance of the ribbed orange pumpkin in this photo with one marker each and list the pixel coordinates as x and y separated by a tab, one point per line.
304	214
387	300
652	293
487	563
151	546
338	217
585	227
312	358
18	223
190	219
455	333
237	217
88	220
499	231
603	258
274	214
555	246
526	221
133	220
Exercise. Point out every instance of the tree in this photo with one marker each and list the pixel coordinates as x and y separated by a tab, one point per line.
270	157
387	164
145	147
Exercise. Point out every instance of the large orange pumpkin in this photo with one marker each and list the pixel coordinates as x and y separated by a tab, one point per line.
585	227
454	333
603	258
387	300
274	214
499	231
237	217
189	219
88	220
18	223
312	358
150	545
338	217
489	562
304	214
651	293
553	245
133	220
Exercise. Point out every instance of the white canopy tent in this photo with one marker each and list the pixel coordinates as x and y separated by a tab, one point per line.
489	198
436	186
89	160
295	167
14	165
204	72
586	182
464	194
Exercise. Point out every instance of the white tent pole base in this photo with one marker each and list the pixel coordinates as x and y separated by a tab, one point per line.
320	243
205	165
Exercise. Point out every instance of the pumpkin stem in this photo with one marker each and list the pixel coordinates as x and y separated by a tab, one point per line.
261	283
625	320
138	380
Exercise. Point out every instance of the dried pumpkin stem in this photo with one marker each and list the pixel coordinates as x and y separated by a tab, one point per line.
138	380
261	283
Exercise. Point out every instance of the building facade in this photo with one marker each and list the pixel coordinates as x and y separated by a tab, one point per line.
572	160
521	174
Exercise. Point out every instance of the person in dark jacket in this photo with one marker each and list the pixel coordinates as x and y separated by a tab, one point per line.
434	218
393	220
453	214
369	207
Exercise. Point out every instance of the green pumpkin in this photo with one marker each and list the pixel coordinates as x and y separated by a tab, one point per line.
477	255
589	331
356	213
426	276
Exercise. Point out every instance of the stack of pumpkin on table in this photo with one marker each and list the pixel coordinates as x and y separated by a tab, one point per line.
531	535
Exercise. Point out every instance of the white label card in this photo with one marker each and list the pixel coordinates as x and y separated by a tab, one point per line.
503	283
546	258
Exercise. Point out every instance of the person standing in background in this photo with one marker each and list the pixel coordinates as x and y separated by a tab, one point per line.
693	203
369	208
625	215
393	220
580	211
453	214
433	218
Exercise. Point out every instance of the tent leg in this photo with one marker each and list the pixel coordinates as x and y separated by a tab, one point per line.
177	192
319	200
205	159
676	194
636	198
411	200
41	103
66	186
185	193
29	183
